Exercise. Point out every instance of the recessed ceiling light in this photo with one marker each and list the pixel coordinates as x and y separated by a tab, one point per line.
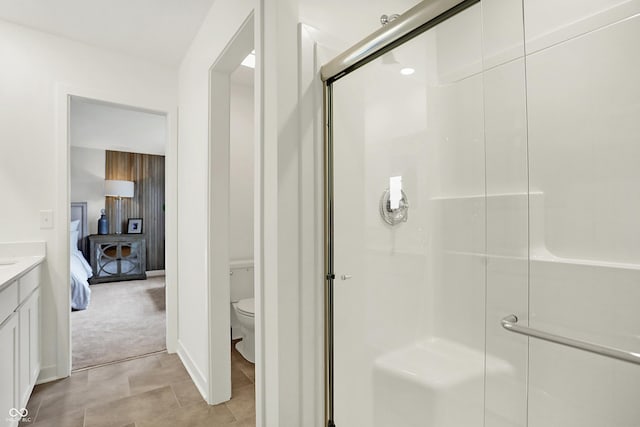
250	60
407	71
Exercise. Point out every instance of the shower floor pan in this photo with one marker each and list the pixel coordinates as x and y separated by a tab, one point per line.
432	383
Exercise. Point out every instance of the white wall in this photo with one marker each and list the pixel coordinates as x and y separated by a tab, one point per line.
276	201
209	43
87	172
241	172
37	71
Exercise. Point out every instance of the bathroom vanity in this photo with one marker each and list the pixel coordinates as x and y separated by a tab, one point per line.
20	272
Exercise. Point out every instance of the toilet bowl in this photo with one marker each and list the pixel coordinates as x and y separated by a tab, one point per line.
244	310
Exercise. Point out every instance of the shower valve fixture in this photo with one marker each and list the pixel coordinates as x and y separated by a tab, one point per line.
394	216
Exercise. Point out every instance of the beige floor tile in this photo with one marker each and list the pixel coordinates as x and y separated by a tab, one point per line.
195	415
83	397
126	369
33	405
187	393
249	371
238	378
247	422
240	363
144	406
152	391
76	381
168	360
246	368
243	402
159	377
68	419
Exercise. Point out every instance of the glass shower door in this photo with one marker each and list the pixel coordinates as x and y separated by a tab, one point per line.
409	234
480	193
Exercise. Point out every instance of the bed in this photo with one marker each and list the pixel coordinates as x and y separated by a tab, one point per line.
79	267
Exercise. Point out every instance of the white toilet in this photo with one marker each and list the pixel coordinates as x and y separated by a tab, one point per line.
242	308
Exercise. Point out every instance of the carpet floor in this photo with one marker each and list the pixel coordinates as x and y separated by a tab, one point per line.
124	319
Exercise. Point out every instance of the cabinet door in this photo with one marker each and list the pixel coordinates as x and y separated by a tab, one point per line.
9	370
34	338
107	259
29	345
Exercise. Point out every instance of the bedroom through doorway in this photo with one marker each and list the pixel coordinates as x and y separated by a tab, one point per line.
117	232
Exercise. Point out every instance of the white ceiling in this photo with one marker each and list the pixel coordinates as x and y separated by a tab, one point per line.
352	20
105	126
158	30
161	30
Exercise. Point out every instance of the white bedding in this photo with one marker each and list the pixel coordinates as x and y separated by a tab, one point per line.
80	273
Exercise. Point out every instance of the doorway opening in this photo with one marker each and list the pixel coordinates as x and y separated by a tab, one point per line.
241	230
117	232
233	325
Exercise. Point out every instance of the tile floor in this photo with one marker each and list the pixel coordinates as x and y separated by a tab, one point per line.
155	390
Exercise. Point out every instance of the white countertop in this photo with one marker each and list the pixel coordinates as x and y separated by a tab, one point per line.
18	258
12	268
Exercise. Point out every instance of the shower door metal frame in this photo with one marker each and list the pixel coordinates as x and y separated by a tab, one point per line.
410	24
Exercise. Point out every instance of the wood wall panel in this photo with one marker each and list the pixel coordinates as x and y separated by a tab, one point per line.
147	171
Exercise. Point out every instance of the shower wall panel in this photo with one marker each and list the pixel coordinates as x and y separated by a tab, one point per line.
548	22
502	32
584	104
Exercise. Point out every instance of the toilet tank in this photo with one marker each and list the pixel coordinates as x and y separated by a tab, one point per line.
241	279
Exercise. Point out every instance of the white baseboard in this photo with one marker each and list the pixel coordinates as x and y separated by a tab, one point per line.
155	273
48	374
198	379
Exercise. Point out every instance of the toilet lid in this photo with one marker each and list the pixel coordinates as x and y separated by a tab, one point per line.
246	306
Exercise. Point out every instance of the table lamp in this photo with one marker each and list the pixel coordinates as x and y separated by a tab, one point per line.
118	189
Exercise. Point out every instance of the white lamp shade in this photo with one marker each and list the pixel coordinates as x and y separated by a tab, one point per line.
116	188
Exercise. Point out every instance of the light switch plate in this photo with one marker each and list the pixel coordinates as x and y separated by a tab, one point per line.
46	219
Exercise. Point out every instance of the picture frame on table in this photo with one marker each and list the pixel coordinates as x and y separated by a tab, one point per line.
134	226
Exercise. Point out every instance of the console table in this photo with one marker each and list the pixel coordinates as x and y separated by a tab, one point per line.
116	257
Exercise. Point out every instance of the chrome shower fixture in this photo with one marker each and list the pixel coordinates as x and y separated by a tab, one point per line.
388	58
394	215
385	19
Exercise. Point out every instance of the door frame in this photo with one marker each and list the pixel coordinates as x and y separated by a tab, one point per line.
63	120
218	239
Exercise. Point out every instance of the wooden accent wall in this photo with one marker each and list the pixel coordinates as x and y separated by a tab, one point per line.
147	171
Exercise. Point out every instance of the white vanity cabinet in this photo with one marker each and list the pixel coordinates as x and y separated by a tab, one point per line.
9	348
19	342
29	338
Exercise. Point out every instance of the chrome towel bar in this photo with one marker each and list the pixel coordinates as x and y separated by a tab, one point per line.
510	323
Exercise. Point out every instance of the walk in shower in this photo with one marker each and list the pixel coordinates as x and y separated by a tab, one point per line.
482	218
